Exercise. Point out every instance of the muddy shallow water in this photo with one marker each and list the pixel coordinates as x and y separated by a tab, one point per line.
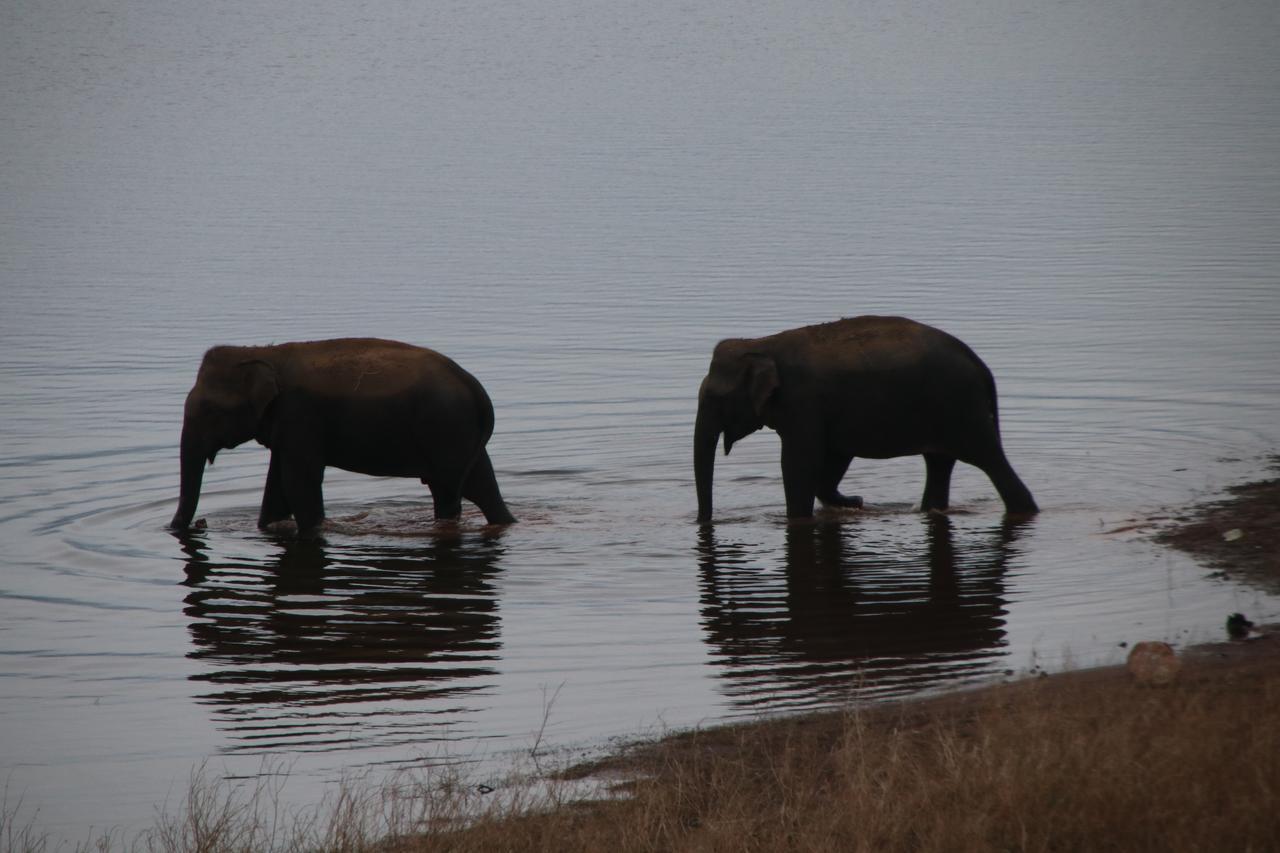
576	206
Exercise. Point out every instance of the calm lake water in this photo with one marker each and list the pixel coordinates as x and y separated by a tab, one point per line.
576	201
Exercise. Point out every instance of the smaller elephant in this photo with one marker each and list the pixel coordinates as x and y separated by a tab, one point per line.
371	406
876	387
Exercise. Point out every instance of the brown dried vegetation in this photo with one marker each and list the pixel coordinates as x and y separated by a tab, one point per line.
1076	762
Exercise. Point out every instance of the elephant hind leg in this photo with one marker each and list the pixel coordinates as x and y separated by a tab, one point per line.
937	482
444	499
829	483
984	451
1016	496
481	488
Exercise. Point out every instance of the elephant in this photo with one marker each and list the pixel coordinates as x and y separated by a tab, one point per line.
875	387
371	406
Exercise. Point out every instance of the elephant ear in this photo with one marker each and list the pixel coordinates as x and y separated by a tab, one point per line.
721	381
762	380
260	384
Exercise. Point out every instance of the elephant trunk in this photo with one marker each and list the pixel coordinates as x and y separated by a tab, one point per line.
193	457
706	433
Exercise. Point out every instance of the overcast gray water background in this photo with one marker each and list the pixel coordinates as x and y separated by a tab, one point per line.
576	200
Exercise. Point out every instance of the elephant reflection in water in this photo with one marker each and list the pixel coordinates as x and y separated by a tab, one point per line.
841	620
326	649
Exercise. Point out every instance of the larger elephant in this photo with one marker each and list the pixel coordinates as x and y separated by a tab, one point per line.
875	387
371	406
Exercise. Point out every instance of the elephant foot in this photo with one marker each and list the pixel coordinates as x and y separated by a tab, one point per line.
499	517
448	511
844	501
312	533
310	528
278	527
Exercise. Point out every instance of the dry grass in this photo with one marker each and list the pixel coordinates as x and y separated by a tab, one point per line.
1084	761
1068	763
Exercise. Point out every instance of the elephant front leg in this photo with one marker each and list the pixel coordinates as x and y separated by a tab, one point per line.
302	479
275	506
800	475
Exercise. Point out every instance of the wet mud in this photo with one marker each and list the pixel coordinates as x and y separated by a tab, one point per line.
1238	535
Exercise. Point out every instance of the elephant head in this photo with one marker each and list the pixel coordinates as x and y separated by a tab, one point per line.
732	401
224	409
